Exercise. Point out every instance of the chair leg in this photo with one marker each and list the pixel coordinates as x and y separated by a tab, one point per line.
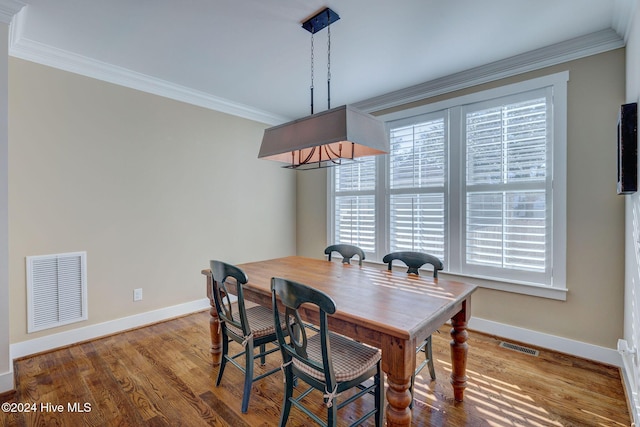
413	380
288	393
223	358
263	359
379	396
332	415
428	355
248	375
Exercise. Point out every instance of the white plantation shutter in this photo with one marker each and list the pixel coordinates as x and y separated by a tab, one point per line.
416	181
356	221
356	176
417	155
506	230
506	198
354	205
417	223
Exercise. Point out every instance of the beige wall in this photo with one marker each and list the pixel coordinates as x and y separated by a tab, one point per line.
595	234
311	202
151	188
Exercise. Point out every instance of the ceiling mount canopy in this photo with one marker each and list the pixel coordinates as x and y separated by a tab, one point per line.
329	138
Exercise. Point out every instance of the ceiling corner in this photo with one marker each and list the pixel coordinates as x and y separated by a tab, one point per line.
623	14
8	8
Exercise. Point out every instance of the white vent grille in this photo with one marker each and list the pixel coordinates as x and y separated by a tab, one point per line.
56	290
519	348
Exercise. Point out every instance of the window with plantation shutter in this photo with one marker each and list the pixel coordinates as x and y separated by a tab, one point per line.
478	181
355	206
507	226
416	187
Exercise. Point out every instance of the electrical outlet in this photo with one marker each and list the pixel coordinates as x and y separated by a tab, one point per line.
137	294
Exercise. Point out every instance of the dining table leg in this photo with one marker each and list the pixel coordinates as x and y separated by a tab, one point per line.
214	322
398	363
459	349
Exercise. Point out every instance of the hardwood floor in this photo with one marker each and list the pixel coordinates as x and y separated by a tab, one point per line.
161	375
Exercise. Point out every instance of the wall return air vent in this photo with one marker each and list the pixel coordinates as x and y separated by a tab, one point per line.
56	290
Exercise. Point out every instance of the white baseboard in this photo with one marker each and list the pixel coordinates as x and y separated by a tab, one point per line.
632	396
600	354
49	342
6	382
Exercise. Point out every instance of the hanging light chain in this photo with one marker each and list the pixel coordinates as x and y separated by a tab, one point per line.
328	61
312	60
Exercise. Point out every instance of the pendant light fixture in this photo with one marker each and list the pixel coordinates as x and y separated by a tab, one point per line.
329	138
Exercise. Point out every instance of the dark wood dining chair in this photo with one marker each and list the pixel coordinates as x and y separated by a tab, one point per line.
326	361
347	252
415	260
250	327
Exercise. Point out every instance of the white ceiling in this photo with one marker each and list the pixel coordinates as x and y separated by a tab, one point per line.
253	57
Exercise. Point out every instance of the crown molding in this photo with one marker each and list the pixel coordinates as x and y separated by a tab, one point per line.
580	47
68	61
30	50
8	8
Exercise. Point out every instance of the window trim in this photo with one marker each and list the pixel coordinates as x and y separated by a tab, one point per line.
558	83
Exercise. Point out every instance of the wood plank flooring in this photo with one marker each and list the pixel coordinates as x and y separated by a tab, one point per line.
161	375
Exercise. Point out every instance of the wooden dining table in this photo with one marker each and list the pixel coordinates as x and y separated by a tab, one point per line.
391	310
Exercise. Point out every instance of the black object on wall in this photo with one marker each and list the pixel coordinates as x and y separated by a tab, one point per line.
628	148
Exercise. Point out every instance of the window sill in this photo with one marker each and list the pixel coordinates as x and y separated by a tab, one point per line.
531	289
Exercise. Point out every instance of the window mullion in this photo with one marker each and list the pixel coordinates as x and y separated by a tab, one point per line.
382	205
456	194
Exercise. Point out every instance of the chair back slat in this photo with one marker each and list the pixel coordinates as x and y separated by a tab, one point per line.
414	260
297	333
347	252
